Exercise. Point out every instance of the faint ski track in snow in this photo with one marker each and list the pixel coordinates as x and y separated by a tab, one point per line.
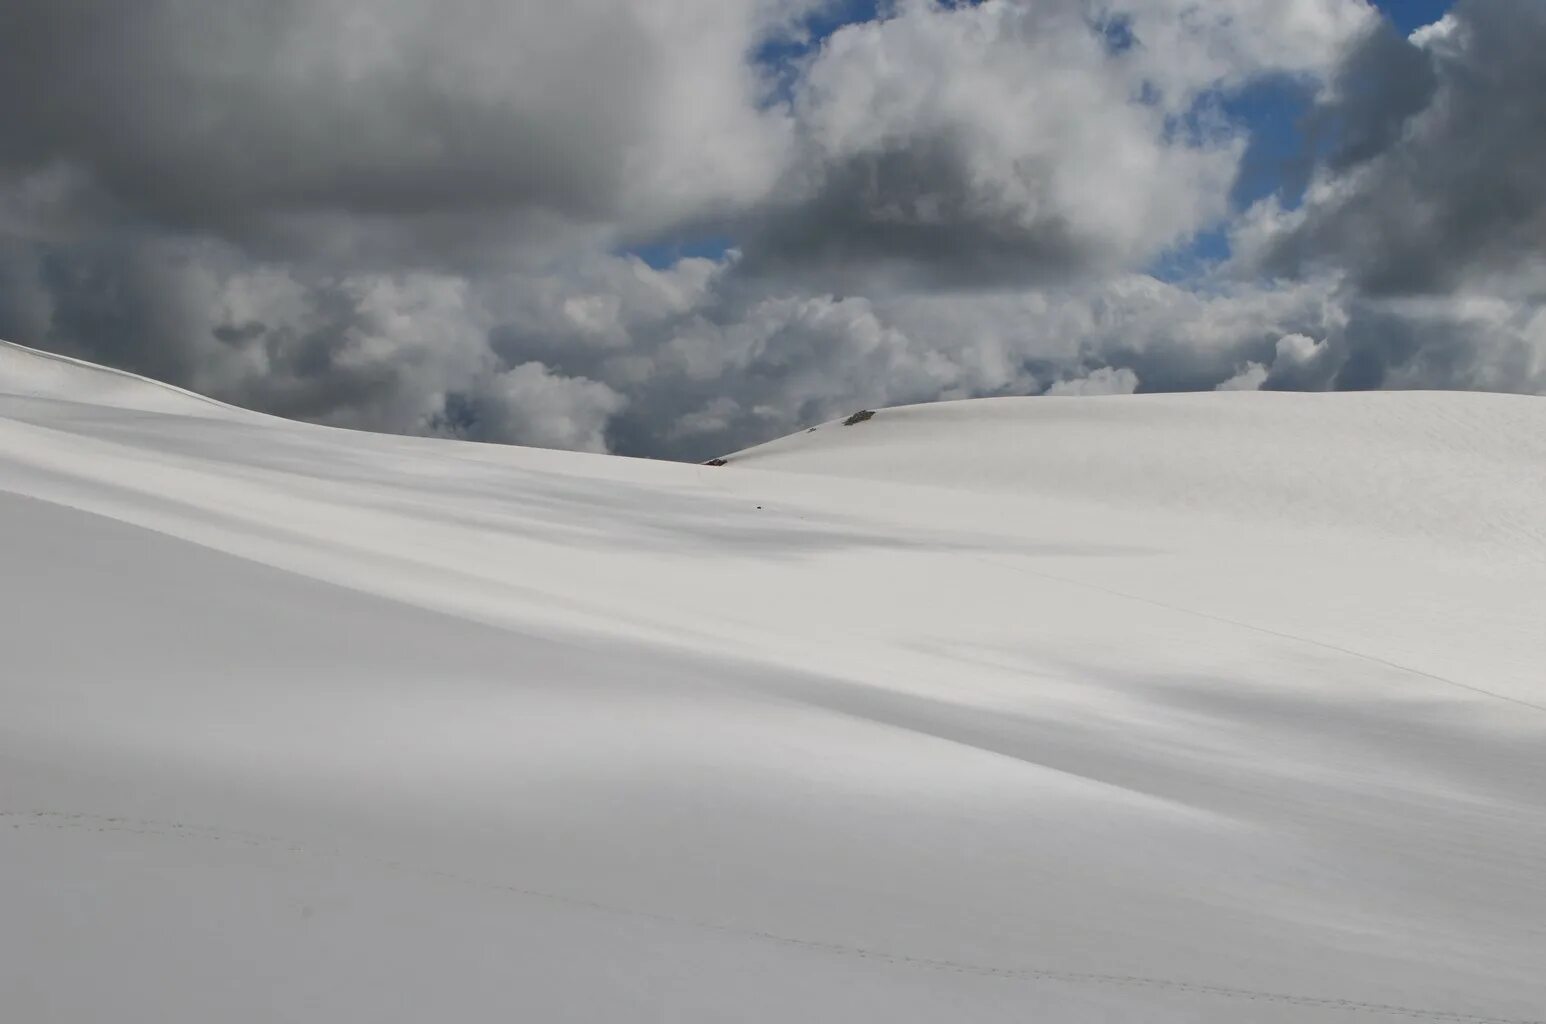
62	821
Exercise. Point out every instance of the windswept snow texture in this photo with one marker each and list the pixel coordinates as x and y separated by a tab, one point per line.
1209	708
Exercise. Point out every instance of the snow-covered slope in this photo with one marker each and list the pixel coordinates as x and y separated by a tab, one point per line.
1207	708
28	372
1456	467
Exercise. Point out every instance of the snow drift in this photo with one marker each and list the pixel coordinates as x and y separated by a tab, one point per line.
1186	708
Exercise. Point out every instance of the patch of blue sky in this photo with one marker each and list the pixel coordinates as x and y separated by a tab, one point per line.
1273	113
664	253
1410	15
1192	260
1116	30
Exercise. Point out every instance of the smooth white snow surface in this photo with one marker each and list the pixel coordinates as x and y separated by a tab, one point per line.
1205	708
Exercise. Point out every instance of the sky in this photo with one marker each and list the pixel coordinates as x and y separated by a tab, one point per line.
1273	110
677	228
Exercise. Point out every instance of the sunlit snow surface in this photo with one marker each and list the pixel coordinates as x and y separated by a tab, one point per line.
1202	708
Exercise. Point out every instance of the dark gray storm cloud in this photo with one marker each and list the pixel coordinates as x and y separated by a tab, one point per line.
1382	83
1440	175
1429	210
908	215
220	116
1405	345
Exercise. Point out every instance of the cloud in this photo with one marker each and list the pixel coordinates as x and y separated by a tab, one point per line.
1474	345
695	360
532	403
978	144
395	352
712	362
417	123
1104	381
1440	178
415	217
1429	210
1250	378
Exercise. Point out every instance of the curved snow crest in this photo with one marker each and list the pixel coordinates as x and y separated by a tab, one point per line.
32	373
1460	466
